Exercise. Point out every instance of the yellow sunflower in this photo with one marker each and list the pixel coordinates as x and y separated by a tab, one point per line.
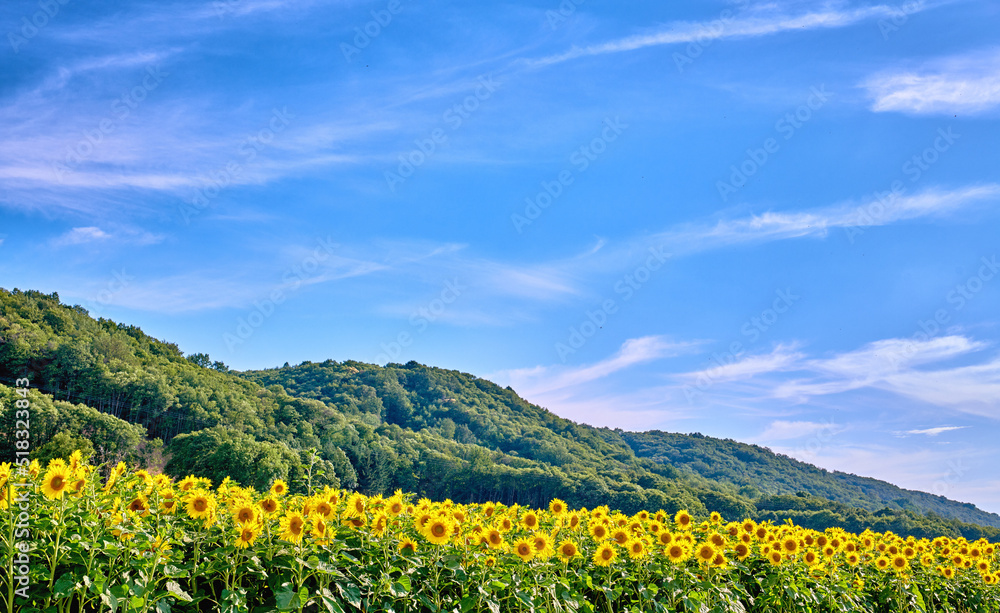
605	555
56	482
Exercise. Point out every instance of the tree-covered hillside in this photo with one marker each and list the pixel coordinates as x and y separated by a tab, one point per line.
111	390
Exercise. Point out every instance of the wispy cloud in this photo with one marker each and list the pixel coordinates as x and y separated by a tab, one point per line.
765	19
781	430
79	236
818	222
967	83
936	431
542	380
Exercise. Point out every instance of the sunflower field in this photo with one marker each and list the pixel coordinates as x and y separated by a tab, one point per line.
73	541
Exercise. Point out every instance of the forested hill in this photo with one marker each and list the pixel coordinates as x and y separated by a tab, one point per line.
758	471
116	393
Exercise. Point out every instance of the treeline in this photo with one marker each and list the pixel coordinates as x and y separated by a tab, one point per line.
756	471
114	392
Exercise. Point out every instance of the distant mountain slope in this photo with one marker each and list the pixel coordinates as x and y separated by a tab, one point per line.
440	433
757	470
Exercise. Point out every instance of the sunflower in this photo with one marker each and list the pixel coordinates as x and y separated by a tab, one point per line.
319	529
279	488
790	545
356	504
247	534
853	559
567	550
439	530
683	520
524	549
705	553
186	484
636	549
245	513
269	505
574	520
676	553
324	508
665	537
605	555
717	539
542	544
810	558
715	517
882	563
200	505
742	551
493	538
395	506
167	502
748	525
138	505
899	563
56	482
292	526
598	531
620	536
719	561
530	520
948	572
380	524
407	543
557	506
775	557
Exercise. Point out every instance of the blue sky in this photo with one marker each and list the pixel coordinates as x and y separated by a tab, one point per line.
770	221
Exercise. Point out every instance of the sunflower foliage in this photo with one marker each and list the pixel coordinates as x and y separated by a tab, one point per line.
139	542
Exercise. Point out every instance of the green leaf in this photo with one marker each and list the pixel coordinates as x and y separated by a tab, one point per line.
110	600
328	600
174	588
64	586
172	572
351	593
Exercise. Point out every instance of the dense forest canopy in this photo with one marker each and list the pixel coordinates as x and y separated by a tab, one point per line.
117	394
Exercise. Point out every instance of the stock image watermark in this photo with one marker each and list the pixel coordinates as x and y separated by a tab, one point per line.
626	287
786	126
914	168
19	505
121	108
711	33
420	320
559	15
33	24
119	281
264	308
900	15
365	34
752	329
818	441
958	297
454	118
581	159
226	175
956	470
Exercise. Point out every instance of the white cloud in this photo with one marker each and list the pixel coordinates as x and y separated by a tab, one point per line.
780	430
764	19
817	222
968	83
783	357
79	236
542	380
936	431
